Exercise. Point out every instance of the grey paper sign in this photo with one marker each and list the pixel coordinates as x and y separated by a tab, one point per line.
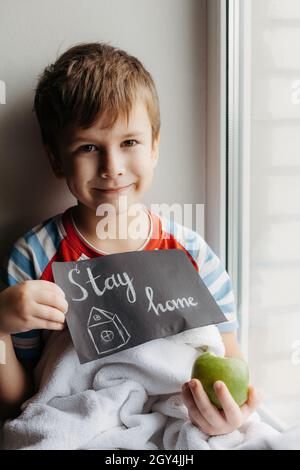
122	300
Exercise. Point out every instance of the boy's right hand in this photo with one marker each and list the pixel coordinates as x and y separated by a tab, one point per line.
32	305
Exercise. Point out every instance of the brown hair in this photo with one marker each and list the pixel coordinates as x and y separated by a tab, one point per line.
87	80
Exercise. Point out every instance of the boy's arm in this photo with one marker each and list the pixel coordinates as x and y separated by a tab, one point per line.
16	382
232	347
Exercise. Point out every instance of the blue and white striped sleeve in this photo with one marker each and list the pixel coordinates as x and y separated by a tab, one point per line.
216	279
16	268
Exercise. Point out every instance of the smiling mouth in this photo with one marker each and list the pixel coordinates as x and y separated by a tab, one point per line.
117	190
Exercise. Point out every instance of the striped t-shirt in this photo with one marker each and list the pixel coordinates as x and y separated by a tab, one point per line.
57	239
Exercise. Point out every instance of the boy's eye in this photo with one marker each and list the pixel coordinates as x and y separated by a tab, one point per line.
130	141
88	148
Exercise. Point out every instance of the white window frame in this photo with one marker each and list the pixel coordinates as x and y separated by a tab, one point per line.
239	154
215	213
226	231
239	170
229	151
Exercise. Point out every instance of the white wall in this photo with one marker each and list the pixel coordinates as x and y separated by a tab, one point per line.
168	36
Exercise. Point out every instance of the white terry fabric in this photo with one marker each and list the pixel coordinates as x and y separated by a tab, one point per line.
129	400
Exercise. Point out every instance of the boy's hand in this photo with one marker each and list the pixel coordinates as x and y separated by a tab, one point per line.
208	417
32	305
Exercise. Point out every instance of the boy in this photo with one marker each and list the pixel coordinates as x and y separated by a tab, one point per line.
98	112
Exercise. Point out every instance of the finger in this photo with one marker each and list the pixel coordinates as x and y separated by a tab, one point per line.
45	297
51	314
51	286
231	409
254	398
253	402
209	412
47	325
194	414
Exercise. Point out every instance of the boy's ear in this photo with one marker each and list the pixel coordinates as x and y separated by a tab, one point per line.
155	150
55	162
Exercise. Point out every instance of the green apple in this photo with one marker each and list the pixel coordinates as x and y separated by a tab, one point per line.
234	372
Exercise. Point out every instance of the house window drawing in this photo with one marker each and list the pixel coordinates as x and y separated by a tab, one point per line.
106	331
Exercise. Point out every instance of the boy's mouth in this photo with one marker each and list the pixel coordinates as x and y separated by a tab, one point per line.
113	190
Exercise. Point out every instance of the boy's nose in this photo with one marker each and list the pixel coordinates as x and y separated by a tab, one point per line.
111	167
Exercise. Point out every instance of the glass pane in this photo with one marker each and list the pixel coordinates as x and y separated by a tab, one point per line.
274	317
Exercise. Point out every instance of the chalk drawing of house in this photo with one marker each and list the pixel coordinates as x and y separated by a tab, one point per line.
106	331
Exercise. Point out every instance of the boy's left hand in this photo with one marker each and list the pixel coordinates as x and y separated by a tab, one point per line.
207	417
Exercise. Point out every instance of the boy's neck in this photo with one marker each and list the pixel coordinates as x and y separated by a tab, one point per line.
86	222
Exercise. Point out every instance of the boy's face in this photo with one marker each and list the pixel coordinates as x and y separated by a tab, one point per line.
96	159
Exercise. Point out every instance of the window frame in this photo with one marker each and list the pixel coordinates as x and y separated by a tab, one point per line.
239	118
238	158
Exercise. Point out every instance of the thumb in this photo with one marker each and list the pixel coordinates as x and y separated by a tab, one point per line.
255	398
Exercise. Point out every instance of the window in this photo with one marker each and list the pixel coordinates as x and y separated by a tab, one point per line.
263	193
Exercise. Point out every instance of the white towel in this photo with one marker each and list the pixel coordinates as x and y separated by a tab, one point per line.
129	400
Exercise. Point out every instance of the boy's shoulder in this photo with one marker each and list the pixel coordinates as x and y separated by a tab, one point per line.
47	234
187	239
32	251
181	231
46	228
